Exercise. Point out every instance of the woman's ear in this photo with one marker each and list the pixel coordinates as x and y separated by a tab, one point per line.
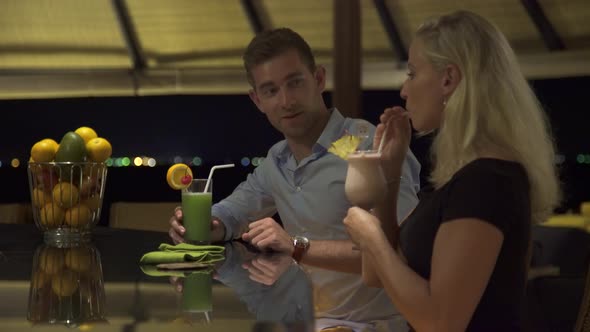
451	78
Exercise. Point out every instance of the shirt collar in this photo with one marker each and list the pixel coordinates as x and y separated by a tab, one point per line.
331	133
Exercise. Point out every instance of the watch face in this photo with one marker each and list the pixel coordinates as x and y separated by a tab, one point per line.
300	241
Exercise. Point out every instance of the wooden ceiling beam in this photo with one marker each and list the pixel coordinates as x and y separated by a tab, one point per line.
257	15
391	29
550	36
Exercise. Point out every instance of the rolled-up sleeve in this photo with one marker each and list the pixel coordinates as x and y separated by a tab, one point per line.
250	201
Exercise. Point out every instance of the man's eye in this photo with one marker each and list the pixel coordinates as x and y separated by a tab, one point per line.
269	92
410	74
295	82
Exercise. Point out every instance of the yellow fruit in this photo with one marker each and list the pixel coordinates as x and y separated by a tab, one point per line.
177	174
78	216
344	146
92	202
99	149
65	283
40	279
86	133
51	260
40	197
78	259
44	150
51	215
65	195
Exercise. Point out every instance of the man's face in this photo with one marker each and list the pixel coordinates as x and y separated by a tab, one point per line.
289	94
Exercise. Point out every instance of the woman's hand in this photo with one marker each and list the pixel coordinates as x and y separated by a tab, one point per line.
395	125
362	226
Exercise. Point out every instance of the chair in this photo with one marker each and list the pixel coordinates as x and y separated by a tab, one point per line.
148	216
555	298
583	321
16	213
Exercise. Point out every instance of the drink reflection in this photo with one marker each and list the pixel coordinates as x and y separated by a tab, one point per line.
272	286
285	296
66	286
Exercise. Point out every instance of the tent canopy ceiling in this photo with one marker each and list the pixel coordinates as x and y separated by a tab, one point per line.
96	47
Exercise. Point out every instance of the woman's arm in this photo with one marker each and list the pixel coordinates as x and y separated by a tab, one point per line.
464	256
387	212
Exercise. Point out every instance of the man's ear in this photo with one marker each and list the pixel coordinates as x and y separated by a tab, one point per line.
320	77
451	78
255	99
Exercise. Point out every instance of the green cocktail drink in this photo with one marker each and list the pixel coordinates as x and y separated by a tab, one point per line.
196	212
197	293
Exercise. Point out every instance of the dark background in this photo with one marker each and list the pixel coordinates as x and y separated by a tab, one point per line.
222	129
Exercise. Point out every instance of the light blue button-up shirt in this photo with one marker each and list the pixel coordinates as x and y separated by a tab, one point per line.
309	197
310	200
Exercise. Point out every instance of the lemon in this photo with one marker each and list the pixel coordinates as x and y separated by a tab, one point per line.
65	283
40	279
86	133
78	259
51	260
179	176
99	149
92	202
40	197
44	150
65	194
78	216
51	215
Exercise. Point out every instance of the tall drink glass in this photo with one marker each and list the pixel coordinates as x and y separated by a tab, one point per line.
196	212
197	304
365	183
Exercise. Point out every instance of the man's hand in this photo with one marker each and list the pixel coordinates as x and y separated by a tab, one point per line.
177	283
268	234
177	230
267	269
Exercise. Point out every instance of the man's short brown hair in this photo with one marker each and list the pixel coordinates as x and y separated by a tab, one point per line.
272	43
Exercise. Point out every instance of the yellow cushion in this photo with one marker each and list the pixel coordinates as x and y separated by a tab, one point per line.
148	216
568	220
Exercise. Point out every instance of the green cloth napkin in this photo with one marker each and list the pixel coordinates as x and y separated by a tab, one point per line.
152	270
184	252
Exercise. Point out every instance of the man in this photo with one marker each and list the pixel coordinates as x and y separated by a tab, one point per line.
302	181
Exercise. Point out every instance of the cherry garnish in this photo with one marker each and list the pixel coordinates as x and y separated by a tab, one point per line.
186	179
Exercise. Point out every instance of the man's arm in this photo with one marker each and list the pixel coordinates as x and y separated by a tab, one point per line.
249	201
337	255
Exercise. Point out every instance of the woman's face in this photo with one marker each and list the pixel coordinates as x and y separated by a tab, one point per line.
423	90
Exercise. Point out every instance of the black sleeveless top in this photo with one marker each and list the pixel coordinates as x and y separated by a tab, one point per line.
495	191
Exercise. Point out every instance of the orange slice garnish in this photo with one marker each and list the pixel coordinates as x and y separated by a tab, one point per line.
179	176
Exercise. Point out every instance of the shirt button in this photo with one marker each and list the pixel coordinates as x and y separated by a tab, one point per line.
298	188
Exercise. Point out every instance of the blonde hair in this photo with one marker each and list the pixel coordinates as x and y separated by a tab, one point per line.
493	107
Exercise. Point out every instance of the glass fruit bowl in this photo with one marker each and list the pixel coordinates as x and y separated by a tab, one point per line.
66	199
66	286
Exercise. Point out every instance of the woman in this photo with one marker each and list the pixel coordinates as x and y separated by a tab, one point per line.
462	254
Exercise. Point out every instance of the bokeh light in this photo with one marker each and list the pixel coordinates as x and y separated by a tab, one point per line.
245	161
